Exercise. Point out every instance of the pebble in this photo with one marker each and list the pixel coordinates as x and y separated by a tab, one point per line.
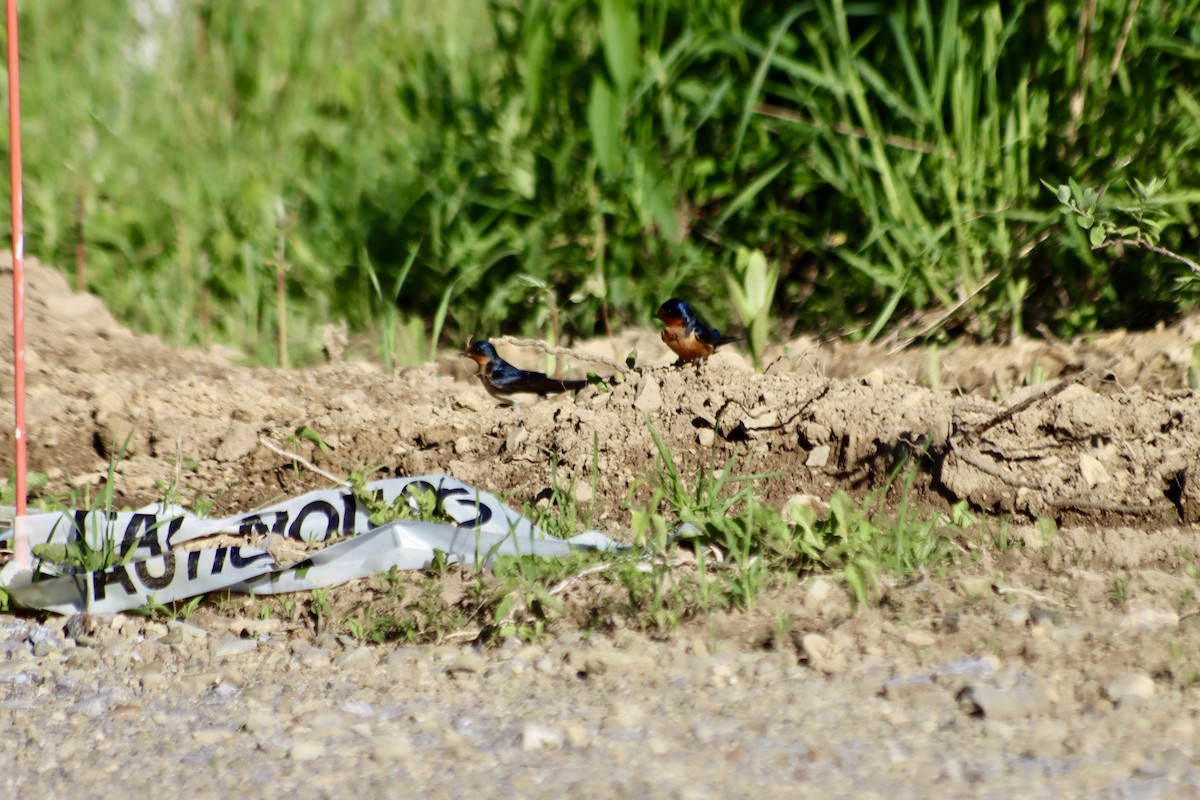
920	638
623	715
306	750
391	747
537	737
257	721
187	630
360	658
649	395
817	457
1002	704
1130	688
210	736
822	654
228	646
467	663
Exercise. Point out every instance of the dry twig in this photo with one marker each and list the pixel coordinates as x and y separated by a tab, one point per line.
274	448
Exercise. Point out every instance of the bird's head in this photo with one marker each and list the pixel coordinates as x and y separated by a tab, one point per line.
674	311
480	351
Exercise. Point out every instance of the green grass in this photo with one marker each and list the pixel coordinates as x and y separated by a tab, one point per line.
704	541
469	167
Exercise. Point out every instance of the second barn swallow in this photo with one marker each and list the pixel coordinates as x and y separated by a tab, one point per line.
509	384
690	338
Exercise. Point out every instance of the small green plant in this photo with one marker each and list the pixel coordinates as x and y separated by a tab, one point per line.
167	611
1047	528
752	544
98	549
35	482
307	434
1193	370
370	626
412	503
1138	223
1117	593
320	609
263	607
752	287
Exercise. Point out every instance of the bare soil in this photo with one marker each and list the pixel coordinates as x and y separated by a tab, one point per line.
1100	435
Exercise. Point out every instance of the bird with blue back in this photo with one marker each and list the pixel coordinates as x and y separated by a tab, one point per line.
686	335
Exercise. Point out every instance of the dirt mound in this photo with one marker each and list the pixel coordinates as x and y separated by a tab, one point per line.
1120	444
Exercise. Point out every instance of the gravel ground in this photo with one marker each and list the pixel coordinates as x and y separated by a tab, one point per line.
115	707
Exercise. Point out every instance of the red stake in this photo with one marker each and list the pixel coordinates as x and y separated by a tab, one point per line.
21	545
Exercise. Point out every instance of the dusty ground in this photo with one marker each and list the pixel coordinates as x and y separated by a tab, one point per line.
1062	666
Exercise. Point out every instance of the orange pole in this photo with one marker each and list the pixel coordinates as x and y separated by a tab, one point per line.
20	545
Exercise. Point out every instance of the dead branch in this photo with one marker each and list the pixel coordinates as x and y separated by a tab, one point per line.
1162	251
995	471
274	448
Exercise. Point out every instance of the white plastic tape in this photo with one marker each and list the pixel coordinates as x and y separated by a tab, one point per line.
155	569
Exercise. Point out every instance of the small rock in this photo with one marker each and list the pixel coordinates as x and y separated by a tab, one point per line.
706	437
1011	703
1130	688
583	493
391	747
920	638
649	396
360	658
43	648
467	663
623	715
258	721
536	737
228	646
240	441
315	657
874	379
255	628
211	735
818	593
978	586
154	630
187	630
817	457
516	437
306	750
822	654
576	735
1092	470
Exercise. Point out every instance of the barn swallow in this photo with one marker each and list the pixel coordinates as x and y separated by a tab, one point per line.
690	338
507	383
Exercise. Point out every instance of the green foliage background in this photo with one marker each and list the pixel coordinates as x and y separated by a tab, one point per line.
482	166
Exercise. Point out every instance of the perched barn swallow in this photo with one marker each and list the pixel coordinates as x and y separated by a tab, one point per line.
690	338
507	383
